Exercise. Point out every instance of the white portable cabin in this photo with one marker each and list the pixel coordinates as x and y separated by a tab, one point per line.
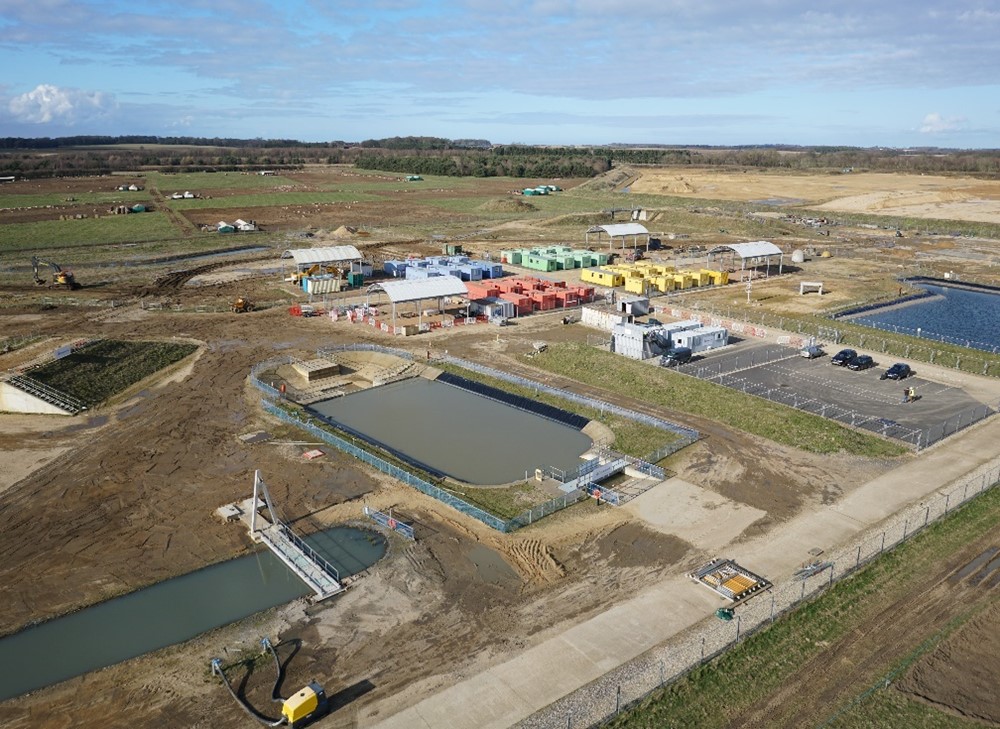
603	317
640	341
493	308
701	339
634	305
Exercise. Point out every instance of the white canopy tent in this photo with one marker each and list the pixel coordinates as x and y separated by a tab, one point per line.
436	287
330	256
623	231
752	252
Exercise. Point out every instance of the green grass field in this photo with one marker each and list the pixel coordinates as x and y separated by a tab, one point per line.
774	421
109	229
718	693
107	367
68	199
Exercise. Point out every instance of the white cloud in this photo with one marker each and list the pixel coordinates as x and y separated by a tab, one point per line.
935	123
46	104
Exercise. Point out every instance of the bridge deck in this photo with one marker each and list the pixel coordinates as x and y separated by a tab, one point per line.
297	559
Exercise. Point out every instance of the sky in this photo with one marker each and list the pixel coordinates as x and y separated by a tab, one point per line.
868	73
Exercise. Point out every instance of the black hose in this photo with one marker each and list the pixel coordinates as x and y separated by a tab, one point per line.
266	721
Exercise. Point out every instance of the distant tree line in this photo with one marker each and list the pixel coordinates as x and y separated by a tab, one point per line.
486	164
90	155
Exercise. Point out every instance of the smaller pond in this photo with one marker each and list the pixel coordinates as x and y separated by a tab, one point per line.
169	612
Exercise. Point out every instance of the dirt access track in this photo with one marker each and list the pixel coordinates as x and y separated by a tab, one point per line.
915	196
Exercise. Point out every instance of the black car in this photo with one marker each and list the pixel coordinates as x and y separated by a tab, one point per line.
842	357
861	362
676	356
899	371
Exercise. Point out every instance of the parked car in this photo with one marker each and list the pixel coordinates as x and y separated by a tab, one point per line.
811	352
861	362
899	371
842	357
676	356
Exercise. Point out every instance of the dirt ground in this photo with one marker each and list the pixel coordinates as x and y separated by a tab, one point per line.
916	196
106	503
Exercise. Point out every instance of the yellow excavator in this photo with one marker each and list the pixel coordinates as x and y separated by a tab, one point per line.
296	277
60	278
242	305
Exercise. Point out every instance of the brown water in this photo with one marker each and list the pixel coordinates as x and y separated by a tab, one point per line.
456	432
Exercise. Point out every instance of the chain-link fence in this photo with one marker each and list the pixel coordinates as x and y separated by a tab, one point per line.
272	395
630	683
727	371
758	324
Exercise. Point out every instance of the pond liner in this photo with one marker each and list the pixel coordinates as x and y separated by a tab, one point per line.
578	422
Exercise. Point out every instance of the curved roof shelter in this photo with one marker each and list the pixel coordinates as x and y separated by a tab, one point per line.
305	257
624	231
752	252
436	287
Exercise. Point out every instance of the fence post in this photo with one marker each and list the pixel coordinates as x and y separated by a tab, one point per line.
906	524
927	515
857	563
618	699
772	616
803	595
882	548
703	649
947	502
661	674
832	568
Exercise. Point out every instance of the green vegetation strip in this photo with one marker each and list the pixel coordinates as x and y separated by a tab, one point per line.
631	437
89	231
61	200
107	367
720	692
658	386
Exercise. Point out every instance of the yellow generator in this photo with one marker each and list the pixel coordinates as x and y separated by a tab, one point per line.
304	706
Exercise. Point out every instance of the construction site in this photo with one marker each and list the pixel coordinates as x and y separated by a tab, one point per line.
416	460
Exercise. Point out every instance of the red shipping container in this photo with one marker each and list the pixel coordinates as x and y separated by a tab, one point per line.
479	291
559	284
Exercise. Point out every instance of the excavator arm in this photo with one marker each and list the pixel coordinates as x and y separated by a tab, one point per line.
59	277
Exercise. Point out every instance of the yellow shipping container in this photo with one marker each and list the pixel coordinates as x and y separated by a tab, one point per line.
719	278
682	280
663	283
602	277
636	284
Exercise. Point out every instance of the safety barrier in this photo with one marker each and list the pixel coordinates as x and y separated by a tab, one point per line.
389	522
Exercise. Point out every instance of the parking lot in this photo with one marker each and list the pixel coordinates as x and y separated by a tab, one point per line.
857	398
